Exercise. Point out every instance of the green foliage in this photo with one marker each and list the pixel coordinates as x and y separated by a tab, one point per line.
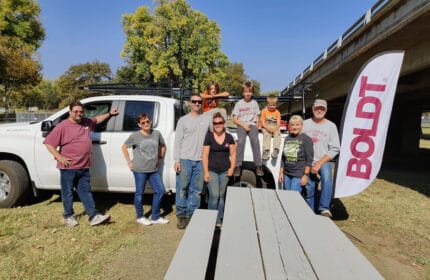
44	96
17	72
174	43
80	75
234	78
21	33
19	22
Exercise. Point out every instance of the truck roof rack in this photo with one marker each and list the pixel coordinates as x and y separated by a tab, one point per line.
300	92
160	89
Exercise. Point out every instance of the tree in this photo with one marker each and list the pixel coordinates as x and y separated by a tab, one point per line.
21	33
174	44
235	76
43	96
19	22
17	72
69	84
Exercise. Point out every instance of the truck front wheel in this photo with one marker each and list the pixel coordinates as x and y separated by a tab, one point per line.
14	183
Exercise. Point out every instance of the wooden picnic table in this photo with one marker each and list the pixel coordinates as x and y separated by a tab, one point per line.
269	234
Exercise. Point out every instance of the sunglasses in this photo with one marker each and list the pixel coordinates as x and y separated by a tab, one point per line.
145	122
217	123
197	101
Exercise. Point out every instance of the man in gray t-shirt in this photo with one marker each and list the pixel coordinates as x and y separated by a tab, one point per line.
190	134
325	137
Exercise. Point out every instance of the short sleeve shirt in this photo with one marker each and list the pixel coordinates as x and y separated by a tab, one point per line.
270	117
74	140
145	150
246	111
219	154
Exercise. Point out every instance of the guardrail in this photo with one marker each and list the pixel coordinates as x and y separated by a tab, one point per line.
353	29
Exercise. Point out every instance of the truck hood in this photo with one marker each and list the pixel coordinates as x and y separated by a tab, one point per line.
11	127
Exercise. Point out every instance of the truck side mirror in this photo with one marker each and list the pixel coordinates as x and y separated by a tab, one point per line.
46	128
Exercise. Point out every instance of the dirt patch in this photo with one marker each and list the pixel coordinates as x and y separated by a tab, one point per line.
152	254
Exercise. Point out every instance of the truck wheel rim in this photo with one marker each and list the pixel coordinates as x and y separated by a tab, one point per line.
4	185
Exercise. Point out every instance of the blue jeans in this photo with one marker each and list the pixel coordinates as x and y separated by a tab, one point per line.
80	179
217	187
158	187
326	179
189	186
294	184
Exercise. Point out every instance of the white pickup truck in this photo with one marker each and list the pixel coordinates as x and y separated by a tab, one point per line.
26	164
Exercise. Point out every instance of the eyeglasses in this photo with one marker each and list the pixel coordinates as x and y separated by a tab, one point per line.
197	101
217	123
145	122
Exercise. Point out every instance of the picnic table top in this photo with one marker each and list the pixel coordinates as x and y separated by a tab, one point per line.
269	234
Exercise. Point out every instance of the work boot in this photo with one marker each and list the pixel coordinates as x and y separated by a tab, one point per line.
265	155
187	220
236	172
259	171
181	222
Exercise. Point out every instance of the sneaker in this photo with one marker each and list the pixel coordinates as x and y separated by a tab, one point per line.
259	171
275	153
71	221
326	213
181	222
236	172
144	221
99	219
265	155
160	220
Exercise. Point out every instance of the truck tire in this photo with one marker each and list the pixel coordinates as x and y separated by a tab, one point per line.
14	184
249	179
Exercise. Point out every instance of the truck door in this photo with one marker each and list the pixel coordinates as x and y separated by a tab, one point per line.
120	176
48	174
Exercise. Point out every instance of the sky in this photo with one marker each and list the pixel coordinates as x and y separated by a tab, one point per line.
275	40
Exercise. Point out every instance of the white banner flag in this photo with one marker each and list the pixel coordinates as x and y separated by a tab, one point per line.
365	123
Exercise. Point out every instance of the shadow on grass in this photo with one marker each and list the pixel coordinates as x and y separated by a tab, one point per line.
105	201
408	171
338	210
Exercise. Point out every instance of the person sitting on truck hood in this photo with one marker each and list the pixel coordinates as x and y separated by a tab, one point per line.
73	136
210	99
245	116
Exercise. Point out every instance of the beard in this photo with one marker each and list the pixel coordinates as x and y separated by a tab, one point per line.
319	115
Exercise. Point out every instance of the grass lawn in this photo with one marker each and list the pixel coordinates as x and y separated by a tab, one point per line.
389	222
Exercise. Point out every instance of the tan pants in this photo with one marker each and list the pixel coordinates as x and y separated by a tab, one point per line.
267	137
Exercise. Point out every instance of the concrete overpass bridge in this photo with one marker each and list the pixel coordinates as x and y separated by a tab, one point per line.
388	25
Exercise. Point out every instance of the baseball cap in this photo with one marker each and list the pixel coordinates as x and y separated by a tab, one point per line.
320	103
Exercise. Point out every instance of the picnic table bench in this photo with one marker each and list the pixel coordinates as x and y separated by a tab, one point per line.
267	234
192	256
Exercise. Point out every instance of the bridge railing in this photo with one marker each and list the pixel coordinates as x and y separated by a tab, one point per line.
353	29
